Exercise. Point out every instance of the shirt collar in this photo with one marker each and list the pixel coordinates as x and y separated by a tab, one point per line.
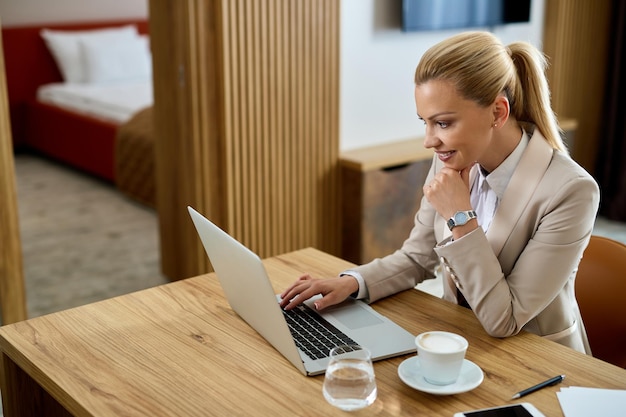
499	178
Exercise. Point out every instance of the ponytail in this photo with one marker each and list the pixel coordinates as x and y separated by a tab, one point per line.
531	96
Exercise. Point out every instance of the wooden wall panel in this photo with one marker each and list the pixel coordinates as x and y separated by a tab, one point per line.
252	132
12	292
282	60
576	38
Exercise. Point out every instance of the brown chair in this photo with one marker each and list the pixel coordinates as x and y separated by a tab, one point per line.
601	294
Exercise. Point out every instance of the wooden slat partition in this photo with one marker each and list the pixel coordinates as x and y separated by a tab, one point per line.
12	291
246	112
576	40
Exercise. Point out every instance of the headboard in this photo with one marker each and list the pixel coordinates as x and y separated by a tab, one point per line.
29	64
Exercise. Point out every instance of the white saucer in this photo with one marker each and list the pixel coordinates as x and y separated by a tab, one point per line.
471	376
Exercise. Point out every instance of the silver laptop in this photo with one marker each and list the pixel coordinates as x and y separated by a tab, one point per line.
250	294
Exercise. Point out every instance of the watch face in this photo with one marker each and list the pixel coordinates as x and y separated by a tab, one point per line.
460	218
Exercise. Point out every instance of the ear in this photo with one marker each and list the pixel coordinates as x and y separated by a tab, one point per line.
501	110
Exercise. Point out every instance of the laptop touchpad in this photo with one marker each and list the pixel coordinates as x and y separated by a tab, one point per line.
355	317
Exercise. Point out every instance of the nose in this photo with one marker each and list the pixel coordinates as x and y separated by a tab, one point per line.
430	140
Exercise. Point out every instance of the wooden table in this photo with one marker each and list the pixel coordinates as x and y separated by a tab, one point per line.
179	350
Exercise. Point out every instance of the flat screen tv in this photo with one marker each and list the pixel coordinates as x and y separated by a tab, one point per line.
426	15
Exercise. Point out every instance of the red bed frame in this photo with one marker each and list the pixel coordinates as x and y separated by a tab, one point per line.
81	141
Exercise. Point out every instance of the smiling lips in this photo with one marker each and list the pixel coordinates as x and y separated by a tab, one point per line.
444	156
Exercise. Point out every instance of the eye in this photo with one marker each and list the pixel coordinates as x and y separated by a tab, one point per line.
443	125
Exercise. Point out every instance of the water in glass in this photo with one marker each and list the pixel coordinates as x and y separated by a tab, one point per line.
349	383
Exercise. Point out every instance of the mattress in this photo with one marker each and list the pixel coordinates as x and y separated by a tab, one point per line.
116	102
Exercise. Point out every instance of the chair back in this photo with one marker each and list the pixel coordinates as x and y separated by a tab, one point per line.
601	294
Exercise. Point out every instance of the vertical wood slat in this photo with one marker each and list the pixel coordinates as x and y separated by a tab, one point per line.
232	82
187	115
166	63
292	130
254	143
576	35
286	202
281	128
12	289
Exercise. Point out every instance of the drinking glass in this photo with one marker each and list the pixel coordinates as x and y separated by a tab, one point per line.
349	383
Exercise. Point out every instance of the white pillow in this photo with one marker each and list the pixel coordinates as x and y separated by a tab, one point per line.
113	61
64	47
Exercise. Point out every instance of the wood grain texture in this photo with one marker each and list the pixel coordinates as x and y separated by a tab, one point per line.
12	293
381	192
575	35
246	113
179	350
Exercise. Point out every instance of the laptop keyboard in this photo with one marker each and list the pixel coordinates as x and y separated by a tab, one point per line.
314	335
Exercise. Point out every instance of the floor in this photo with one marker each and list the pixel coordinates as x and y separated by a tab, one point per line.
82	240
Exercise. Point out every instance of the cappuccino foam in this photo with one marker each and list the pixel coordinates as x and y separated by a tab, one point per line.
440	343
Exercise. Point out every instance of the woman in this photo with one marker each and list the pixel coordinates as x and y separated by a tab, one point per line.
506	212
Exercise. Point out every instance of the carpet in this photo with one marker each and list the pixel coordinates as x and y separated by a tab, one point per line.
82	240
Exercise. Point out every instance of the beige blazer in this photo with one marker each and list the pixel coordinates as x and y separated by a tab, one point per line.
520	274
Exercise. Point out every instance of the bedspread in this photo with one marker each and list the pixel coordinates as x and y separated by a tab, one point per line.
134	158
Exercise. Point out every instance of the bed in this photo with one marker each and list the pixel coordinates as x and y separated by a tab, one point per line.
85	139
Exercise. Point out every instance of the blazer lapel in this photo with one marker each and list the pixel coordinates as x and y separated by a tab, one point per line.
524	181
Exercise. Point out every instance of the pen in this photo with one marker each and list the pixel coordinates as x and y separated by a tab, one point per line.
551	381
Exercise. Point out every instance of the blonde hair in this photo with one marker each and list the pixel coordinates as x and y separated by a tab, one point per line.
481	68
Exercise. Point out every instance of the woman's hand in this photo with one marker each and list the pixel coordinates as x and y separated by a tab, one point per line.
449	191
333	291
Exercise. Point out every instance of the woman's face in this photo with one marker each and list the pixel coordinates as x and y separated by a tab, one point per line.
457	129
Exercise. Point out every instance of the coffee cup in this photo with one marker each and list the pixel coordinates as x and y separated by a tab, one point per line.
441	356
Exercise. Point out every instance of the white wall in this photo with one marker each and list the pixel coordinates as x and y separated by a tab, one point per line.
21	12
377	65
377	58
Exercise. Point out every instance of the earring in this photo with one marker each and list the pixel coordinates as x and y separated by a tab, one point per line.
494	124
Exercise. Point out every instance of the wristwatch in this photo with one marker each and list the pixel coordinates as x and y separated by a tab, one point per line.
460	218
